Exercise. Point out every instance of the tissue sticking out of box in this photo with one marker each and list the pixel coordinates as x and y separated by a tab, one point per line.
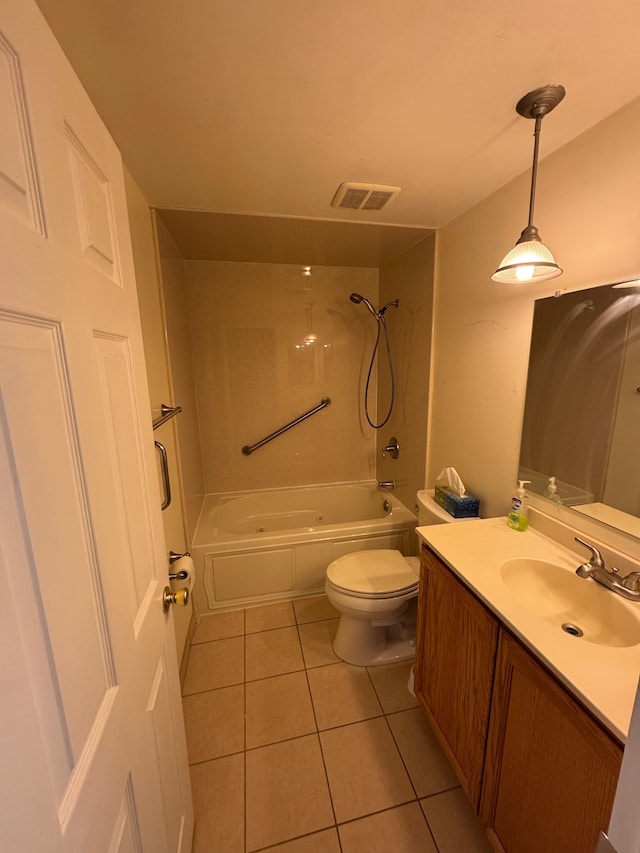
450	478
451	494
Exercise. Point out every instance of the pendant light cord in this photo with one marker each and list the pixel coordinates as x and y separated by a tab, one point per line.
381	322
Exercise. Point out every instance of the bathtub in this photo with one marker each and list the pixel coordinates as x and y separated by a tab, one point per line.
252	547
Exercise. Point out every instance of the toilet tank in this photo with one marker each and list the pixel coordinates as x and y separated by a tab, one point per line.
429	512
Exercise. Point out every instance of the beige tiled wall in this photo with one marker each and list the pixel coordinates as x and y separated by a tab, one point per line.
178	334
410	280
254	372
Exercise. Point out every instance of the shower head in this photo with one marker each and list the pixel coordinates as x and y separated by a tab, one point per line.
357	298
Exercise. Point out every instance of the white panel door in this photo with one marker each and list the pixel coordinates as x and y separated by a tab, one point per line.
92	736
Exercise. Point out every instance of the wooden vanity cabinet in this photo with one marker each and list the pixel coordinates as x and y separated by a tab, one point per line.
551	770
540	771
456	647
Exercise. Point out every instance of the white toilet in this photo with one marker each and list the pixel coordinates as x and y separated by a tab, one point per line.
376	593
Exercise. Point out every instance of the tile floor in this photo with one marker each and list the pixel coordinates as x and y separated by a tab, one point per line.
293	750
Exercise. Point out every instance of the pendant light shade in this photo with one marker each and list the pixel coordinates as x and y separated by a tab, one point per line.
530	260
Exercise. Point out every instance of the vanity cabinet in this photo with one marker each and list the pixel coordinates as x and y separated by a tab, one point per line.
550	771
456	646
540	771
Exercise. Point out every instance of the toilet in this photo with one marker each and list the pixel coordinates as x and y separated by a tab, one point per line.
376	593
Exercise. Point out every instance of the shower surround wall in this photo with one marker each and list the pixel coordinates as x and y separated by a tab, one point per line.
174	291
409	278
254	372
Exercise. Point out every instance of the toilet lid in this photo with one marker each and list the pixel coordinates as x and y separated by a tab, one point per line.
373	572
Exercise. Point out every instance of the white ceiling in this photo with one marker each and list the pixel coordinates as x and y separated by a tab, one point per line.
266	106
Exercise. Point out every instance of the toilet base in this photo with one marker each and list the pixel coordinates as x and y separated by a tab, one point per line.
361	643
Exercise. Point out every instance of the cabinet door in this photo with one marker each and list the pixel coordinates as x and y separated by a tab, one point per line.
457	641
551	770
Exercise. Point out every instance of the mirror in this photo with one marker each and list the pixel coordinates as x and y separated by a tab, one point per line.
582	406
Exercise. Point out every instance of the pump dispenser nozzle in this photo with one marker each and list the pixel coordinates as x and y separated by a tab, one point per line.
521	492
552	490
518	519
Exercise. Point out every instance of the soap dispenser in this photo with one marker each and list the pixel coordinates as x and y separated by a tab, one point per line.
518	518
552	490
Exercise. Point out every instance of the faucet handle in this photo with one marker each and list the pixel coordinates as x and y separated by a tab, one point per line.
393	448
631	581
596	556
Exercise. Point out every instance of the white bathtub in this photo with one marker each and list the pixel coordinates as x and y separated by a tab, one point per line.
276	544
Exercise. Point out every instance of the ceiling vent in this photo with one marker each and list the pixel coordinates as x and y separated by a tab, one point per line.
354	196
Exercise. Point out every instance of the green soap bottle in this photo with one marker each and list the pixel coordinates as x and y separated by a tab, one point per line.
518	518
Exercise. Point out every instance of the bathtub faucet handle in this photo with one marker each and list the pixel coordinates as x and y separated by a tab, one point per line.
393	448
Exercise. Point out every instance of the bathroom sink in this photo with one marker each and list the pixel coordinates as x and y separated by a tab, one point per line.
580	606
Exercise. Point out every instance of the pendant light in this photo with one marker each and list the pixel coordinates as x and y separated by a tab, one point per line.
530	260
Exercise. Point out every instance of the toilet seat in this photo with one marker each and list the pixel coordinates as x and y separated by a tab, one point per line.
373	574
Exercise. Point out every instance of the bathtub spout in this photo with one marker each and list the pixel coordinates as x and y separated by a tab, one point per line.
386	484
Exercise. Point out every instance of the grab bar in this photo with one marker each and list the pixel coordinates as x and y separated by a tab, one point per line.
249	448
167	413
165	474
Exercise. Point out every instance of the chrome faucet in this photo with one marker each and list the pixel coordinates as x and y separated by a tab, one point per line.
628	586
393	448
386	484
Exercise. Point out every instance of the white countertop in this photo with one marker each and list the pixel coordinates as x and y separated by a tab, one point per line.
604	678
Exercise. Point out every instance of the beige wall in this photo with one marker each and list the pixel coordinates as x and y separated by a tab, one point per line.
588	212
410	279
178	334
254	373
152	320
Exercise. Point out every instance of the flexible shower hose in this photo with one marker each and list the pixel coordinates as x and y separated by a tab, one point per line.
381	322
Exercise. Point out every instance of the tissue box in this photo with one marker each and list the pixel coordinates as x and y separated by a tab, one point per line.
440	495
465	507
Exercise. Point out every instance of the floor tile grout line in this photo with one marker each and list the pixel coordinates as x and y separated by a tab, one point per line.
378	811
397	746
431	832
317	731
216	640
272	628
418	797
246	633
274	675
261	630
214	689
439	793
216	758
406	769
297	838
337	826
324	763
306	734
375	692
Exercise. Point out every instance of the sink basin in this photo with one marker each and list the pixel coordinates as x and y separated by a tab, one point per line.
560	597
